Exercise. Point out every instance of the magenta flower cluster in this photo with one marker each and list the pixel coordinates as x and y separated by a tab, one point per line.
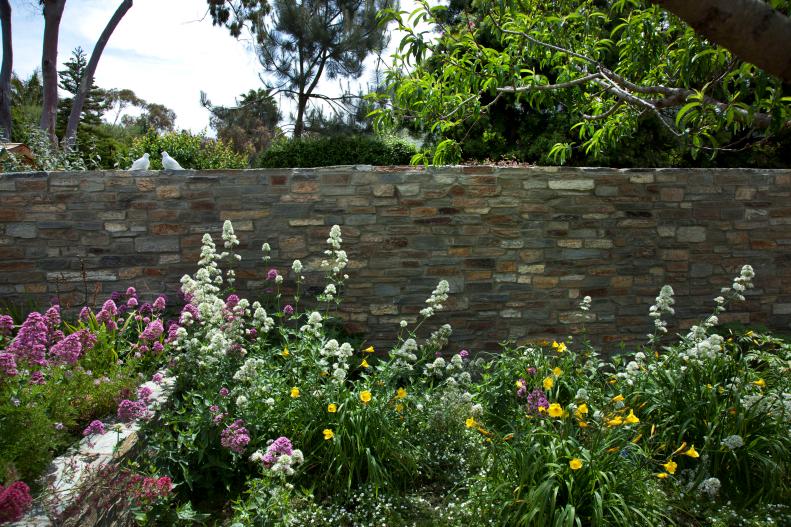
30	343
235	437
280	446
14	501
96	427
535	400
153	330
6	325
132	410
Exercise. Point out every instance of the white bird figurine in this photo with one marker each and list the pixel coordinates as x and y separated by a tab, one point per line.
168	163
141	164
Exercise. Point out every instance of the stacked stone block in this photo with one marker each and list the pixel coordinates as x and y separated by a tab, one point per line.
519	246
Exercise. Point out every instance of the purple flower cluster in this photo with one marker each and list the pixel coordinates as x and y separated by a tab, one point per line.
231	302
96	427
288	310
271	274
31	342
153	330
132	410
53	316
224	392
280	446
159	303
85	314
535	400
6	325
71	348
464	354
107	315
193	312
8	364
235	437
37	377
144	393
173	329
521	390
157	378
14	501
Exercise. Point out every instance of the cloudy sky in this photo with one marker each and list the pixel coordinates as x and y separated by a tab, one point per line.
166	51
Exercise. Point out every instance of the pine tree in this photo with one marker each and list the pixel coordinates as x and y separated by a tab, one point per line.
70	77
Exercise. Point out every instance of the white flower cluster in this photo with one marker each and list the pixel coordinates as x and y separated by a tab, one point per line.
707	348
436	299
772	404
284	463
313	327
339	354
740	284
340	260
732	442
405	356
585	305
710	487
663	305
250	371
261	320
266	249
453	370
439	338
229	237
296	266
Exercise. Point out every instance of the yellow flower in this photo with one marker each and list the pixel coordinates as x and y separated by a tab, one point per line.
662	475
760	383
369	349
631	418
328	433
581	410
679	449
613	380
615	421
401	393
559	347
555	410
365	396
583	424
692	452
618	398
520	383
555	344
542	409
670	466
548	383
332	408
399	408
575	464
294	392
470	422
285	352
364	364
557	372
636	439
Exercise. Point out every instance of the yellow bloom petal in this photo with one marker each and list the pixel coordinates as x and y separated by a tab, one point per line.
470	422
581	409
365	396
332	408
583	424
328	434
575	464
760	383
692	452
561	348
401	393
662	475
285	352
557	372
679	449
548	383
631	418
399	408
615	421
294	392
618	398
369	349
670	466
364	364
555	344
555	410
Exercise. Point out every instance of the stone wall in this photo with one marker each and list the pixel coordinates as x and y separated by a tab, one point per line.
519	246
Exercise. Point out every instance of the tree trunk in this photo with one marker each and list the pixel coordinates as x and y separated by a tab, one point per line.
750	29
299	125
87	79
53	11
5	73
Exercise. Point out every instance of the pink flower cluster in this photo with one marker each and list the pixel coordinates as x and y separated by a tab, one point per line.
151	489
30	343
96	427
280	446
8	364
235	437
14	501
6	325
132	410
152	331
71	348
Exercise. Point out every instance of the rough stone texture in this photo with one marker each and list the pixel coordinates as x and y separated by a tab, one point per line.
519	246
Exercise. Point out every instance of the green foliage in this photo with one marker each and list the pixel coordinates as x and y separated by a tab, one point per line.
192	151
617	72
340	150
45	155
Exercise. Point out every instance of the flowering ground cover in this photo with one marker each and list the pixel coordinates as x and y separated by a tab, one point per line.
277	420
59	380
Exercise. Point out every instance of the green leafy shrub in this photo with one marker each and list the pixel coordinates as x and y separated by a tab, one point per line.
192	151
337	150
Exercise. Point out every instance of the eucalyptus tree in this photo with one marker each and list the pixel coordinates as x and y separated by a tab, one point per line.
608	63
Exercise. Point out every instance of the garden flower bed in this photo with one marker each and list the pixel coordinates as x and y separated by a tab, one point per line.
59	381
276	419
